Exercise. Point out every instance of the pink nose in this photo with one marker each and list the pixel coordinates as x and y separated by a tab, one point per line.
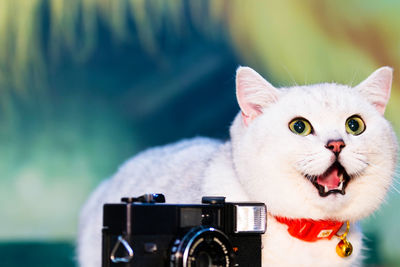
336	146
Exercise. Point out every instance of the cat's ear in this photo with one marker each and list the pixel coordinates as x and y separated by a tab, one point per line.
253	93
376	88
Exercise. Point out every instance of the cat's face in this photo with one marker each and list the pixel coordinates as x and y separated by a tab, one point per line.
322	151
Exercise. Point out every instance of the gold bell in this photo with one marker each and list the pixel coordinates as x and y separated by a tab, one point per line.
344	248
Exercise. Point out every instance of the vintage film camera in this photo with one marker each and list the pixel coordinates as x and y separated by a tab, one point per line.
146	232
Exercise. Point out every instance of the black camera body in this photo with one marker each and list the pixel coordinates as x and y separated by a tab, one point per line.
145	231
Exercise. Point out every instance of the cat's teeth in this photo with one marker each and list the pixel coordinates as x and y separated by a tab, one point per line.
341	178
326	189
340	185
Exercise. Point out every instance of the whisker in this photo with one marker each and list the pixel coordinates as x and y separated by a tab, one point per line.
395	189
352	79
290	75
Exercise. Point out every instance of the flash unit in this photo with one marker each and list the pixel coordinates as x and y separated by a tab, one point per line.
250	218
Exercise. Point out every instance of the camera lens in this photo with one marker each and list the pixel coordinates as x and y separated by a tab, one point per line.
203	260
202	247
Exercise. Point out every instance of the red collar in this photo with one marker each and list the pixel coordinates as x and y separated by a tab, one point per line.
310	230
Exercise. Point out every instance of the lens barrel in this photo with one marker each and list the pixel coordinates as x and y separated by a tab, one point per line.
202	247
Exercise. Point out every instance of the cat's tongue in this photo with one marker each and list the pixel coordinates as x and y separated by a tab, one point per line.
330	178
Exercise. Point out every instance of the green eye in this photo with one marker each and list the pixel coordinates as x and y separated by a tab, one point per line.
300	126
355	125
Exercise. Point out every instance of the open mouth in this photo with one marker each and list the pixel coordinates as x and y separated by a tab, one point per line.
333	181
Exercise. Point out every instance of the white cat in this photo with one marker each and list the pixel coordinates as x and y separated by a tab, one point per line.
321	152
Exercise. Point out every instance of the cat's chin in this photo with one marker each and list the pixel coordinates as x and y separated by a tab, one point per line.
333	181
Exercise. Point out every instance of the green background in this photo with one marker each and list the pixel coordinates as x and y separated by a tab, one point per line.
86	84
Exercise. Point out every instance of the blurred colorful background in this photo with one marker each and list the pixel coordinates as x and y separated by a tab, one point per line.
86	84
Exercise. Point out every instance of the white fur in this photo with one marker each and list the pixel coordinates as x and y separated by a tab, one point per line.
264	161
